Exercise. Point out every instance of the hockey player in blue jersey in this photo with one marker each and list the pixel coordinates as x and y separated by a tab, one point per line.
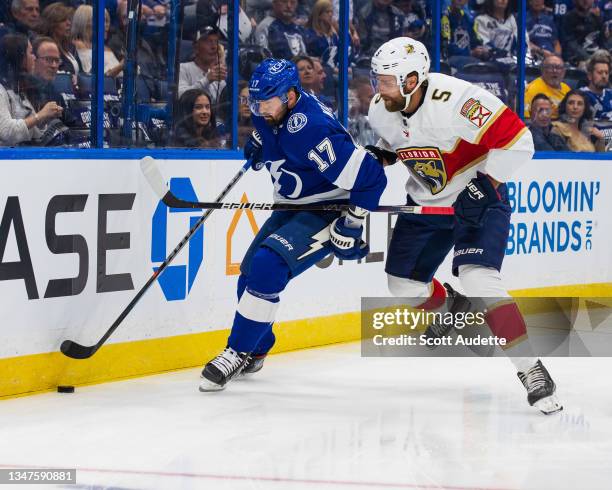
311	158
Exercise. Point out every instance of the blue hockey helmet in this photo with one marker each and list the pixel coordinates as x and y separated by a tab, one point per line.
272	78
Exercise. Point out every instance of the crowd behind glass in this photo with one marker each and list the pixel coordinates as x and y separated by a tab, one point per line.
46	59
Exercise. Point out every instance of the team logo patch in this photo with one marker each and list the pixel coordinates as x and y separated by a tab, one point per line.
296	122
475	112
409	48
426	165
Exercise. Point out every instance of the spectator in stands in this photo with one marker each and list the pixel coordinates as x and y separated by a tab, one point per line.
460	44
57	24
46	64
542	31
550	84
280	33
360	94
82	29
377	22
208	70
544	139
306	70
19	122
320	75
325	96
321	36
197	125
498	31
583	33
150	58
598	91
355	41
575	124
26	15
245	125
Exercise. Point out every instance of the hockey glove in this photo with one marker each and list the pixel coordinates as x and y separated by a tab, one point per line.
384	157
253	149
345	235
473	202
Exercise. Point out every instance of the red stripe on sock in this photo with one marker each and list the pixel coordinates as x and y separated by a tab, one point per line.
506	322
437	297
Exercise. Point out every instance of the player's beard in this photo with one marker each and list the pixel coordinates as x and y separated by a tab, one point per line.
394	105
275	120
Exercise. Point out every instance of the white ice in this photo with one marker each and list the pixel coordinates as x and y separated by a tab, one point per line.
324	419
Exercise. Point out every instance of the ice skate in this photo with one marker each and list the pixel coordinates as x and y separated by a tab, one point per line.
254	364
540	389
218	372
459	303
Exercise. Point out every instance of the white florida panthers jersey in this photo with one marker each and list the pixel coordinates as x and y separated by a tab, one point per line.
459	129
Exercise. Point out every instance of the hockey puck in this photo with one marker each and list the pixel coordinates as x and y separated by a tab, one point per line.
65	389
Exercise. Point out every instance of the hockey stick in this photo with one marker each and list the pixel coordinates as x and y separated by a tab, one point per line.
77	351
156	181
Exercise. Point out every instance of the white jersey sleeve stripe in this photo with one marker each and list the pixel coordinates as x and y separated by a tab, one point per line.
346	179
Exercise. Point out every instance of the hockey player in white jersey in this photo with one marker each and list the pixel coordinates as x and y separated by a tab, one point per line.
460	144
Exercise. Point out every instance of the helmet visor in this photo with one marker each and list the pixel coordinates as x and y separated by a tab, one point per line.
266	107
384	83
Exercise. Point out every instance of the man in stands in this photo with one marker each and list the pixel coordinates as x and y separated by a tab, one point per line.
583	33
208	70
26	15
280	33
540	126
598	91
550	84
46	65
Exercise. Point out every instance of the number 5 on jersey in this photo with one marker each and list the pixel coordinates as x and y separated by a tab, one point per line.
324	147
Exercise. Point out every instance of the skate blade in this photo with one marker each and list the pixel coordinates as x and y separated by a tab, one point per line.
548	405
208	386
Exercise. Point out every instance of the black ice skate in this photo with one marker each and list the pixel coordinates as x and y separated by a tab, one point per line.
459	304
218	372
254	364
540	389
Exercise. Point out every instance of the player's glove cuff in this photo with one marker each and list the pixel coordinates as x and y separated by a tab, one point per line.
253	149
384	157
346	241
475	200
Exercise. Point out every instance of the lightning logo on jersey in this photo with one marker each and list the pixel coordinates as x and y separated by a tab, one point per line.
427	165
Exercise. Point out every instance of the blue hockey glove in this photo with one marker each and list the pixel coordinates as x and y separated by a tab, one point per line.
473	202
346	241
253	148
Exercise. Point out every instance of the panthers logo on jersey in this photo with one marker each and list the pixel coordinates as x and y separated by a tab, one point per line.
426	164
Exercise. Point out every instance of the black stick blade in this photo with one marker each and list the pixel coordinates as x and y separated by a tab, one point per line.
77	351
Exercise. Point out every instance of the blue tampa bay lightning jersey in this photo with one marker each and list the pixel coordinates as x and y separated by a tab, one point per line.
312	158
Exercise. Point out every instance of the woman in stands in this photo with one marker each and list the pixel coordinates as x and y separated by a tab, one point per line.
82	29
498	30
56	22
322	38
197	125
19	122
575	124
245	126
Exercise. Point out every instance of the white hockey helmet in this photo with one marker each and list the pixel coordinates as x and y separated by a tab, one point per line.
400	57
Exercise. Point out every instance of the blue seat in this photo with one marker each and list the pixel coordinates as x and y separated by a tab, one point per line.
186	51
86	89
486	76
63	83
